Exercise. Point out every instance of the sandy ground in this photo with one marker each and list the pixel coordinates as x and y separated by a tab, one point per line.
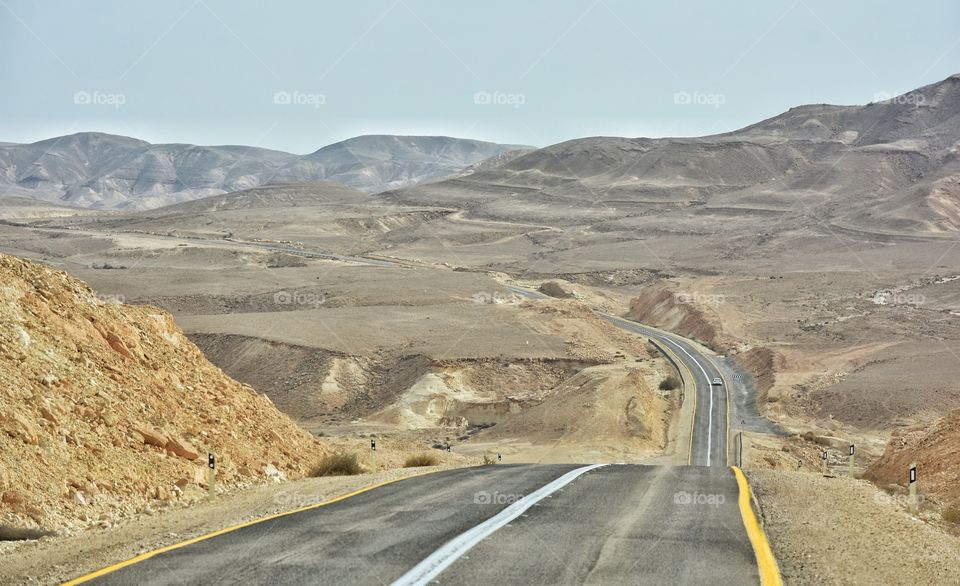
827	531
52	560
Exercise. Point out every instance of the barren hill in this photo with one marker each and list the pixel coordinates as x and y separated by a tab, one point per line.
106	409
91	169
936	451
891	166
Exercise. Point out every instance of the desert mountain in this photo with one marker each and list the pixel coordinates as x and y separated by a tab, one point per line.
106	409
114	172
889	166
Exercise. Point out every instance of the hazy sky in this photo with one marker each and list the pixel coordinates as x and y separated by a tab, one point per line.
298	75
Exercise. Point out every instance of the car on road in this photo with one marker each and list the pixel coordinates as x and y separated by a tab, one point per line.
717	382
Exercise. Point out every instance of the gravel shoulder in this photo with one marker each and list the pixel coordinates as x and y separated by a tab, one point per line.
839	530
52	560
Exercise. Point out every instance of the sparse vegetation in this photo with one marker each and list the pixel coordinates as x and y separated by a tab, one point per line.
951	514
488	460
418	460
338	465
670	383
652	350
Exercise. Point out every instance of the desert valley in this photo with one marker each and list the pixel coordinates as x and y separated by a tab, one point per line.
457	299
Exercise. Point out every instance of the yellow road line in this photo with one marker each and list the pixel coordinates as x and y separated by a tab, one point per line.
149	554
766	563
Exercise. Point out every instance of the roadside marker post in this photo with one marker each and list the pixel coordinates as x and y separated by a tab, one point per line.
211	475
913	489
853	450
373	452
825	463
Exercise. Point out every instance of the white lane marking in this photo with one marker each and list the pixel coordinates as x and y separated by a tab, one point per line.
440	560
709	386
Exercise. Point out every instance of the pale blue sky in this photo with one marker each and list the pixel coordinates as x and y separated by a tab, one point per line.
207	71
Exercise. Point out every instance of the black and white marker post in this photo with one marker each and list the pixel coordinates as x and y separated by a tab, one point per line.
913	489
211	475
853	450
373	452
825	463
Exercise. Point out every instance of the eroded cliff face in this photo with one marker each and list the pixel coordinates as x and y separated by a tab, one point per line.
678	312
106	408
934	449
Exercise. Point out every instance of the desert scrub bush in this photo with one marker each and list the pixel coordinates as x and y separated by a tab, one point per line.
652	350
488	460
670	383
421	460
338	465
951	514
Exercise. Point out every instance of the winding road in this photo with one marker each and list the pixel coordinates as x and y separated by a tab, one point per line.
510	524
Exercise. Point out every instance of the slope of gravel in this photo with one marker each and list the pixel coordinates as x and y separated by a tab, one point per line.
845	531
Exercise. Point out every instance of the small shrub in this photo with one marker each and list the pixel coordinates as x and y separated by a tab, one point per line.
951	514
488	460
421	460
670	383
338	465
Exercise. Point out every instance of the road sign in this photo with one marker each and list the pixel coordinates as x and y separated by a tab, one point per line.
211	475
914	503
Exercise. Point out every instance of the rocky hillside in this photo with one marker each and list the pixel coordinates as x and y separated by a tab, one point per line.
91	169
892	166
936	451
107	410
662	307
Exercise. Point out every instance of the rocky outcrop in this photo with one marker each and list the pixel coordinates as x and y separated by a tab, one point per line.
105	408
664	308
762	363
936	451
556	290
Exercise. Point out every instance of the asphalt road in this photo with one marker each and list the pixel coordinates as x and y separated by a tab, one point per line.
709	445
614	524
513	524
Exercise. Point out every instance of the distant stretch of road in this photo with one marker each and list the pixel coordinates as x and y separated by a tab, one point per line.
709	434
502	524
